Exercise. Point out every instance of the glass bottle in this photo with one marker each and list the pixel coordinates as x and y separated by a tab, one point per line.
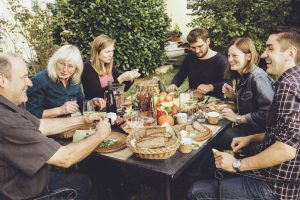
111	105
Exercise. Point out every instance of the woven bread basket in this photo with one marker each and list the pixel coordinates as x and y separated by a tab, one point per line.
155	153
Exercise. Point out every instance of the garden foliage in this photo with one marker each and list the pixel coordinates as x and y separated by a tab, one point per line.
139	28
36	27
227	19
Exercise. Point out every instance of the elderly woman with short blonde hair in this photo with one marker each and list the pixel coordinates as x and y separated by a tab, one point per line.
56	92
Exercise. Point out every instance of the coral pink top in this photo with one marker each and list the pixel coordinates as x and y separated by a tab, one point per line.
104	79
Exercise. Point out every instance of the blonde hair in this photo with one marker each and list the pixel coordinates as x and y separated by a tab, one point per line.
101	42
70	54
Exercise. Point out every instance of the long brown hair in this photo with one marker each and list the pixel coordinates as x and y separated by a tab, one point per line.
246	45
101	42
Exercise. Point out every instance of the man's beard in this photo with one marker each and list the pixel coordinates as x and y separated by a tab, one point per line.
203	54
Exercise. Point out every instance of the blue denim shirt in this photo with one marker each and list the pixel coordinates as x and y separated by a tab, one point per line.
255	93
46	94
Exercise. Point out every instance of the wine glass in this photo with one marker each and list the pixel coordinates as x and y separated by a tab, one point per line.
136	121
191	105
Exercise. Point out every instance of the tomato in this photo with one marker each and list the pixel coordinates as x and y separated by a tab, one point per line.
174	110
160	113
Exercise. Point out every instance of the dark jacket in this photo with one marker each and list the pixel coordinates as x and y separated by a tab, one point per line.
255	93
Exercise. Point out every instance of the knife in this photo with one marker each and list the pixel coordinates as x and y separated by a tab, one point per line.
207	100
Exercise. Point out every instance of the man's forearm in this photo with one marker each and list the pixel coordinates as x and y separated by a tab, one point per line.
59	125
51	113
73	153
275	154
259	137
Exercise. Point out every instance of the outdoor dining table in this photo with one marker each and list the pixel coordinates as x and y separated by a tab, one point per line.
170	169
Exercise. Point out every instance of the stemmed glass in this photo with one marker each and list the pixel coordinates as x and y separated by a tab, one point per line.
136	121
191	105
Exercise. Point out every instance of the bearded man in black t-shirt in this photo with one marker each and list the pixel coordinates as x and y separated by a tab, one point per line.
204	67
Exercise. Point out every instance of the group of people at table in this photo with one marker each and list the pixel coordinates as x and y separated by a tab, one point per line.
267	121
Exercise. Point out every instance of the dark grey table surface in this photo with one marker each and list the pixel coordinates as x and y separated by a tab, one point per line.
171	167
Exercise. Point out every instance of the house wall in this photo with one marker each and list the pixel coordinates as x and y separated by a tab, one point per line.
10	41
178	12
176	9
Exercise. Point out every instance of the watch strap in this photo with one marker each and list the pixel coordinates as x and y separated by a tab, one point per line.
238	119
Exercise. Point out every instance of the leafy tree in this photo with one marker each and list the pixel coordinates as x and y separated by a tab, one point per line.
226	19
139	28
36	28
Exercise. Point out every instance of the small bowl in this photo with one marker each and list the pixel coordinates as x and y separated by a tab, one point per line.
181	118
213	117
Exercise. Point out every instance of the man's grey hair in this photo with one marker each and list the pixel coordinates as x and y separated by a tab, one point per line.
5	62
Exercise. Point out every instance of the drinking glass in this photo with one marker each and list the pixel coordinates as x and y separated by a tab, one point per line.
72	99
88	107
189	105
136	121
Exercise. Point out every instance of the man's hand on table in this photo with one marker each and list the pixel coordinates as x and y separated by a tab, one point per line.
205	88
103	129
91	118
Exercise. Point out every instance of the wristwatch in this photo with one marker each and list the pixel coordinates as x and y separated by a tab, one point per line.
238	119
236	165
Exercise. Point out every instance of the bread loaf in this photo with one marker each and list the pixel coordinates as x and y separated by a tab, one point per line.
151	142
154	129
199	127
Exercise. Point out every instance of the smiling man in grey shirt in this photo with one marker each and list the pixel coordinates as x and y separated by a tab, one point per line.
25	149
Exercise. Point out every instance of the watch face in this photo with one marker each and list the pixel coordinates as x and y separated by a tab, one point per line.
236	164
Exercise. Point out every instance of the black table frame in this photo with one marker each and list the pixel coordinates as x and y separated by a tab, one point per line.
168	169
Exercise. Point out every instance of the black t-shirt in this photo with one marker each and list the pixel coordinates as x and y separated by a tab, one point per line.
24	151
209	71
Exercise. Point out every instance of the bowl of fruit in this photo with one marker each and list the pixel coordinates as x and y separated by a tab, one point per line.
165	107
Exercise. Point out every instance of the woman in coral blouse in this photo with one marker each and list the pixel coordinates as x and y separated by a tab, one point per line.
98	71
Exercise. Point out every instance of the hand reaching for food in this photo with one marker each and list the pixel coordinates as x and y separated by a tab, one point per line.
228	91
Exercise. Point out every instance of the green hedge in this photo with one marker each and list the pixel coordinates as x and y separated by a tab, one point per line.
139	27
227	19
